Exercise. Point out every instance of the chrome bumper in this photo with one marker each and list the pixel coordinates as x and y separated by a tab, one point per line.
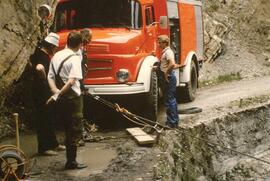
116	89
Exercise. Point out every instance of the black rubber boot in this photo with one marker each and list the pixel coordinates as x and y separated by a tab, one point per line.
71	154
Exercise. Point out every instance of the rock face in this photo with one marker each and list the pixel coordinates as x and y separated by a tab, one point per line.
19	30
214	35
19	26
236	38
247	21
16	27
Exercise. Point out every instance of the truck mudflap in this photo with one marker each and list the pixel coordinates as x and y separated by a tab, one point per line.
186	91
185	72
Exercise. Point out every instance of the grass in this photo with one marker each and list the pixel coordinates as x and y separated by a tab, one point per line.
212	8
242	103
221	79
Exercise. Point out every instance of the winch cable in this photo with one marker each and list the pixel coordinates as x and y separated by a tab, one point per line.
149	123
130	116
209	143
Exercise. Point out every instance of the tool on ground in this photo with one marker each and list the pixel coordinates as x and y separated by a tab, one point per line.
13	162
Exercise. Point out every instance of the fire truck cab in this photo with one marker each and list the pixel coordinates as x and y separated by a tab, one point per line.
124	46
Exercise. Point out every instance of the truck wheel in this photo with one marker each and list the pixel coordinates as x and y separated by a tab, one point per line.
188	93
152	99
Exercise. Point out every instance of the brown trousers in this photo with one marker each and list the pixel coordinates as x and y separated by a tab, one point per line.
70	111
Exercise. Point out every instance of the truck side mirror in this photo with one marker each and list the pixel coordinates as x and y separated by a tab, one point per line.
163	22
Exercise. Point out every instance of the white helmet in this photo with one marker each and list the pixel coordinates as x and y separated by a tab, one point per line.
44	11
53	38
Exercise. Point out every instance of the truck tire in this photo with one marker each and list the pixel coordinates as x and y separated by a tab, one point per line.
151	110
188	93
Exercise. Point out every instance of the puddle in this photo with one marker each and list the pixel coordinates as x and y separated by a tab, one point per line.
97	156
28	143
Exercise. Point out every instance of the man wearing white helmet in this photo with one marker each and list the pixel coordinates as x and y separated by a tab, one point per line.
45	13
47	142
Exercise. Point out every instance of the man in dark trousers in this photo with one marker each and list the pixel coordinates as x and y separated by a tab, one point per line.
47	142
167	80
64	75
86	39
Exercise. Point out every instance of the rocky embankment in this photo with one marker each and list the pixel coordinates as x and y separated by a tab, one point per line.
237	38
198	152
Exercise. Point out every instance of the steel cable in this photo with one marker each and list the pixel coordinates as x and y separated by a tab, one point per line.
145	122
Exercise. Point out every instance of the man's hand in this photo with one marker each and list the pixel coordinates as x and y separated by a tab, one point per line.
86	92
154	67
166	76
53	98
49	101
177	66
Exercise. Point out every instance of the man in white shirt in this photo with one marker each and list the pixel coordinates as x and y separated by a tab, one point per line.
168	80
63	77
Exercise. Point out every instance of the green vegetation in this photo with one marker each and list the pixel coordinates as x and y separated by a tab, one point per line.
249	101
221	79
212	8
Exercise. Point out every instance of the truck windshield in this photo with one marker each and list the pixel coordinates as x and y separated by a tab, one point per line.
74	14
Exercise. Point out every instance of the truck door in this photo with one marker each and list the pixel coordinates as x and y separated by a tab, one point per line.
175	37
161	15
151	29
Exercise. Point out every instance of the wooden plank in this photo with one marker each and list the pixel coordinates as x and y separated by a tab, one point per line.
136	131
145	139
141	136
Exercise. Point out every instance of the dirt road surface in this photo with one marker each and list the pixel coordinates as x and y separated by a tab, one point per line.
102	156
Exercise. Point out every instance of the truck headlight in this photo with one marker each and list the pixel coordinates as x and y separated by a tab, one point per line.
122	75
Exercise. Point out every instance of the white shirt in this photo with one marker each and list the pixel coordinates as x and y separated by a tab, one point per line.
79	53
167	54
71	68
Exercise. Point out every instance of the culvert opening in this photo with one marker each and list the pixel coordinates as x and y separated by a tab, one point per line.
247	132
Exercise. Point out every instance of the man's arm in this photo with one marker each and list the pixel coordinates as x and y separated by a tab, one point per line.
58	93
170	58
52	85
67	86
169	69
41	71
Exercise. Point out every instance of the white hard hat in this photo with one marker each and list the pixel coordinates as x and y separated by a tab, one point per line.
44	11
53	38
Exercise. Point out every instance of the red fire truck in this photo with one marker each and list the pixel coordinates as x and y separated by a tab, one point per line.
124	47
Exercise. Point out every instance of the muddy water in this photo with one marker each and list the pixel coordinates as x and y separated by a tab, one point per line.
96	156
28	143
